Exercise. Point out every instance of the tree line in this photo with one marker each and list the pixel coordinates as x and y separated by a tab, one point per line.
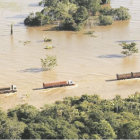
85	117
73	14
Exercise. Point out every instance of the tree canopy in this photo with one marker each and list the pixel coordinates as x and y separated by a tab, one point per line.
129	48
85	117
73	14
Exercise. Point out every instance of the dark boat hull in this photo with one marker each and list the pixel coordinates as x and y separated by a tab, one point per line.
128	76
7	91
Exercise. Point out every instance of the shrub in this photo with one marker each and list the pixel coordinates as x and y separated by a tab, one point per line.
49	62
105	20
107	11
129	48
121	14
33	19
81	15
37	19
49	47
68	24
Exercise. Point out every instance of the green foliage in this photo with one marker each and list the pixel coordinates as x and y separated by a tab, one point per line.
105	1
121	13
92	6
38	131
73	14
103	129
95	136
129	48
130	130
81	15
105	20
76	21
85	117
24	113
106	11
68	24
10	128
95	6
66	130
50	3
115	14
49	62
134	98
34	19
49	47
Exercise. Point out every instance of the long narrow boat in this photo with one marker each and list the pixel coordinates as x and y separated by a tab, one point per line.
128	76
8	89
58	84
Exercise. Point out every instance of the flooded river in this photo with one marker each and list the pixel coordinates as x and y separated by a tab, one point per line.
89	61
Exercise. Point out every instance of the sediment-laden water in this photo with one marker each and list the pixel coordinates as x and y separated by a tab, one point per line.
89	61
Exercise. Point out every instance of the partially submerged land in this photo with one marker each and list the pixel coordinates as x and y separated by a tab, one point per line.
85	117
74	14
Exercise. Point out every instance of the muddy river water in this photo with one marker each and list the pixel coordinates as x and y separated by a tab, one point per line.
89	61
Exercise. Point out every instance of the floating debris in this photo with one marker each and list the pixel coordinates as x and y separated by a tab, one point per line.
25	42
90	33
47	40
49	47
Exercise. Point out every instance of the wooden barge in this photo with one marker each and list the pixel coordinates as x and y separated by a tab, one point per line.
128	76
58	84
8	89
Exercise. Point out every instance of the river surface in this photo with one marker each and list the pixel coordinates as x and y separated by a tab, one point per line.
89	61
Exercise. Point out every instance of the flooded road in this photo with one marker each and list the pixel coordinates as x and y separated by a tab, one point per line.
89	61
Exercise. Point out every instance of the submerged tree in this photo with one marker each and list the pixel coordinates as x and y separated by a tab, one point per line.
49	62
121	13
129	48
105	20
73	14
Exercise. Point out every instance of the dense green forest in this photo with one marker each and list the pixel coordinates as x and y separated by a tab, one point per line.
85	117
74	14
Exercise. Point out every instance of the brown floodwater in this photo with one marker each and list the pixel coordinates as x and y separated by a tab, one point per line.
90	61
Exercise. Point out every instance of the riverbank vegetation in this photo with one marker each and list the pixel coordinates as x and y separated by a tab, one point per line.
85	117
74	14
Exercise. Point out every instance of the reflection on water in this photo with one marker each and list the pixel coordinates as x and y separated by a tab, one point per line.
12	40
128	41
129	62
9	5
84	59
132	83
111	56
32	70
